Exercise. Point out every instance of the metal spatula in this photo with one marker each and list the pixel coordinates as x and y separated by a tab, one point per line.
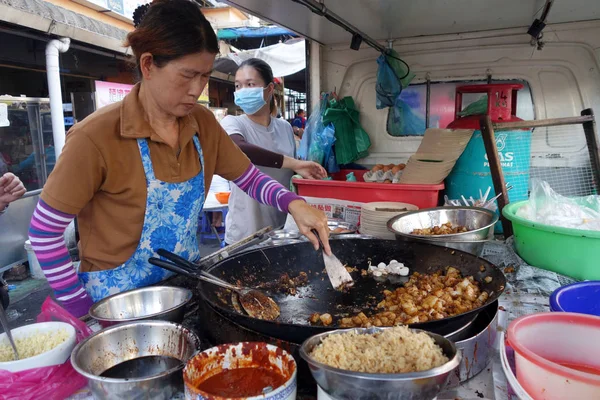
338	276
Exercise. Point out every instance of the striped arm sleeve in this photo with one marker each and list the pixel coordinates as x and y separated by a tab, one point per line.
265	189
46	234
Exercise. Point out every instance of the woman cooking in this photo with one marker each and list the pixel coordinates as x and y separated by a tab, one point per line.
135	173
268	142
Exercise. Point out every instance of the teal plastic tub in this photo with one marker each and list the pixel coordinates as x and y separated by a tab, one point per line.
571	252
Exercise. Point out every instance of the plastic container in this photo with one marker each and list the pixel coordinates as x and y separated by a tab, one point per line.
471	172
580	297
571	252
34	265
223	197
557	355
508	370
423	196
55	356
241	355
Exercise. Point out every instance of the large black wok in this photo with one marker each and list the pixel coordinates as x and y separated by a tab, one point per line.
266	265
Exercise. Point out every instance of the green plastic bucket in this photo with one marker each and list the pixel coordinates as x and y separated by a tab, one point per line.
571	252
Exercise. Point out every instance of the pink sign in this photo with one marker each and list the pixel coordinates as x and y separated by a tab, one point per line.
109	93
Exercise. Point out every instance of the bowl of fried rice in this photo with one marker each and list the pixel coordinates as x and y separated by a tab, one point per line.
388	363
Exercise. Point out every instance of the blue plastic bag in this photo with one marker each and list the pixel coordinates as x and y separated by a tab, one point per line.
392	76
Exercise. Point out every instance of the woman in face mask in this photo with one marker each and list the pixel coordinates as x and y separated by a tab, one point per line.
268	142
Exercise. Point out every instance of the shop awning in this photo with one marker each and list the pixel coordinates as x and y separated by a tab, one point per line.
49	18
251	32
284	58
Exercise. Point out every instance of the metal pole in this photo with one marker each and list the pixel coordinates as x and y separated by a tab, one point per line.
321	9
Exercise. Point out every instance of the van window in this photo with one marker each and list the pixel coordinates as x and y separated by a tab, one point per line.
409	119
27	144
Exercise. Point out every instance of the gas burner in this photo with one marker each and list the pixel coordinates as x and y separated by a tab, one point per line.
475	341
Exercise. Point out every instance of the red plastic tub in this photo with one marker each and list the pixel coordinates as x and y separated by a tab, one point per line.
423	196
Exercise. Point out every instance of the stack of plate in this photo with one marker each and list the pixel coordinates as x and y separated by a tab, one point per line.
374	217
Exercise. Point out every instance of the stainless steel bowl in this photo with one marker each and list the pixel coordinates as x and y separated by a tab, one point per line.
338	223
133	340
283	234
479	222
351	236
474	247
282	242
342	384
165	303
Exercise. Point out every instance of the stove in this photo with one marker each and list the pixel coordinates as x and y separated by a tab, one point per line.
475	341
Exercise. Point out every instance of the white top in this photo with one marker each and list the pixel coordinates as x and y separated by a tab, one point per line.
246	215
219	184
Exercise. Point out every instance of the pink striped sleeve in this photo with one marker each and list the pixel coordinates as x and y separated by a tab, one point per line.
265	189
46	234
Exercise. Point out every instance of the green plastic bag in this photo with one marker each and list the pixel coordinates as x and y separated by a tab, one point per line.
351	141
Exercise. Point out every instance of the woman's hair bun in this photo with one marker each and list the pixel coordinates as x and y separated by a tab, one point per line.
139	14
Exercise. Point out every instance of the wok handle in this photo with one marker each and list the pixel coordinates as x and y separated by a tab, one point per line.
172	267
203	276
176	259
187	265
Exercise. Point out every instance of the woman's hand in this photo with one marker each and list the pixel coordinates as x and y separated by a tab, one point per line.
308	218
11	189
306	169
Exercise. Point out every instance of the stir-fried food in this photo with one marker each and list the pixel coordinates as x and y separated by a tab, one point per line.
444	229
286	283
425	297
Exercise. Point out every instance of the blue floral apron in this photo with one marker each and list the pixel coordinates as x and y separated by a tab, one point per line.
170	222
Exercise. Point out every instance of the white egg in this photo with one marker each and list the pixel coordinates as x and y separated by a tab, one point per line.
381	265
394	262
403	271
377	273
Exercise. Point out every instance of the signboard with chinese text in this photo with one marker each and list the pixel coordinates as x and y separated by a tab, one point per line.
109	93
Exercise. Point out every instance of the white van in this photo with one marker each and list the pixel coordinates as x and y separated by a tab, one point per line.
452	43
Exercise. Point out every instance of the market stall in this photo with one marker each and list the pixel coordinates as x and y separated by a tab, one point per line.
463	229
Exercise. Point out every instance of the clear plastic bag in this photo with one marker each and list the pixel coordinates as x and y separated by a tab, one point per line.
49	383
318	138
550	208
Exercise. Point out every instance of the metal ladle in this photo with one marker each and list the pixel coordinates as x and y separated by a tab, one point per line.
256	303
4	322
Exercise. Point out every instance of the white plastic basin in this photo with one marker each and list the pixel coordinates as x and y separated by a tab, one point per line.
56	356
557	355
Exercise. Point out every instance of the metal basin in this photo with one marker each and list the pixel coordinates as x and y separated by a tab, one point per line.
338	223
474	247
133	340
283	234
342	384
165	303
479	222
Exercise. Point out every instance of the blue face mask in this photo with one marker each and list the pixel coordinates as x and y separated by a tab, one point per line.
250	99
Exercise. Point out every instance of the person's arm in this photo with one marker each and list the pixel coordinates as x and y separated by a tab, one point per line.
11	189
60	201
258	155
266	158
233	165
46	234
267	190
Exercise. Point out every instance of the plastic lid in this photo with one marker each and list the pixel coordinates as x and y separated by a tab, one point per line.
580	297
